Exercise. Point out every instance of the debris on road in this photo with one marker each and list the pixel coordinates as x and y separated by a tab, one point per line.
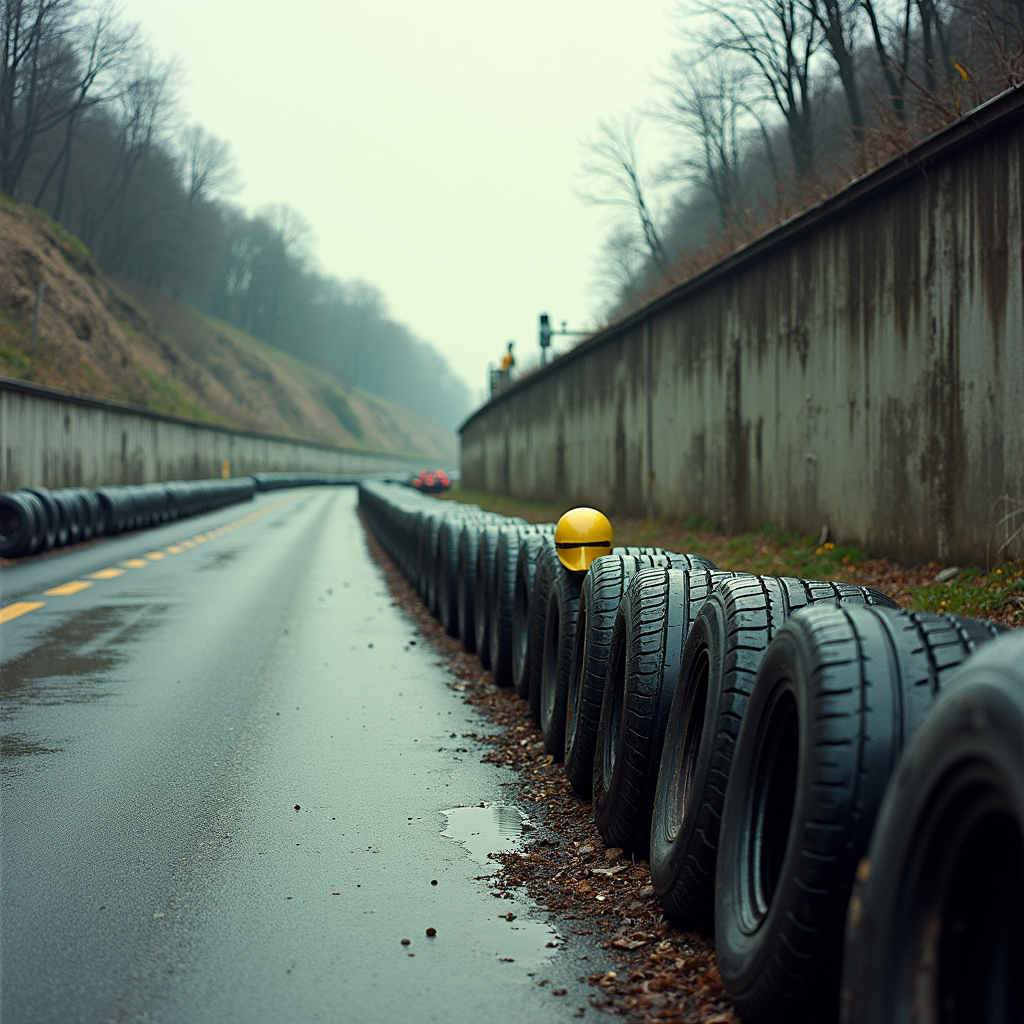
664	972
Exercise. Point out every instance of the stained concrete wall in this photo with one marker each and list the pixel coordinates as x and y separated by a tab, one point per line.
49	438
862	367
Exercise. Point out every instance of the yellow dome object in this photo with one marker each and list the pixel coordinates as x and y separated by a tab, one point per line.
582	535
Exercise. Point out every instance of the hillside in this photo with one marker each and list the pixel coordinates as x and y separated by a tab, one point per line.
127	343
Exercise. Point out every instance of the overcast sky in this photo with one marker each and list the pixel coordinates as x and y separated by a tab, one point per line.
433	145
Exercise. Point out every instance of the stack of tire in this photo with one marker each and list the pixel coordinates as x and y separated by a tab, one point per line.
831	786
36	519
278	480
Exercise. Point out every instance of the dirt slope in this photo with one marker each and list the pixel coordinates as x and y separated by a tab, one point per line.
129	344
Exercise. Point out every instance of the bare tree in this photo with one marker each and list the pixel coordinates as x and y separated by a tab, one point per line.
143	116
34	59
707	99
840	21
892	41
104	47
613	165
55	65
779	41
207	170
934	44
620	265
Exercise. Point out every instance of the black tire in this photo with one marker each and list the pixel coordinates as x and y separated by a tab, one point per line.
650	630
501	604
530	548
426	553
51	525
90	512
114	505
548	567
556	660
20	527
603	587
73	512
723	651
935	925
486	549
559	641
63	519
469	545
449	536
839	692
40	519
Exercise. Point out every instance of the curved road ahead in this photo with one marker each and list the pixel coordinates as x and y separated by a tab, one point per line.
165	710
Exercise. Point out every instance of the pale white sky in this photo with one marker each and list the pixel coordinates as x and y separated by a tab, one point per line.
432	144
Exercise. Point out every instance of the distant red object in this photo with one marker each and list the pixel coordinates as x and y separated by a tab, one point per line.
432	480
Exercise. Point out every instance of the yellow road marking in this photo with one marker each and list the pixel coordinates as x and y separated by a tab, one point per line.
12	611
68	588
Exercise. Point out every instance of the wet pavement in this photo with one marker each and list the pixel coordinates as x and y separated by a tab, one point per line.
233	783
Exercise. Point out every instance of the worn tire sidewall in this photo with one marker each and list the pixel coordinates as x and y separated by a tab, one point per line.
668	853
877	965
743	955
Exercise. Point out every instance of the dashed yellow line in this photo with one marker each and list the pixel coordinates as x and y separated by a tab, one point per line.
65	589
12	611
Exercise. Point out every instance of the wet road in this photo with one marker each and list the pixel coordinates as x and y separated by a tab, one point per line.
224	774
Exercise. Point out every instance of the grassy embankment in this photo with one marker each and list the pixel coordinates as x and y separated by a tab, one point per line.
996	593
120	341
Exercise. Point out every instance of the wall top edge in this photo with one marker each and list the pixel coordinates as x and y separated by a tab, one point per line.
129	408
990	116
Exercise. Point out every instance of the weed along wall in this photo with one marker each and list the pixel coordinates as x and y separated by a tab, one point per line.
862	366
49	438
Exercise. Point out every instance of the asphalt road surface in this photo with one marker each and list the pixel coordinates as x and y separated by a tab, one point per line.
225	767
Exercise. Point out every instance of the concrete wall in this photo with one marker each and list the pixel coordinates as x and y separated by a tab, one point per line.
862	366
52	439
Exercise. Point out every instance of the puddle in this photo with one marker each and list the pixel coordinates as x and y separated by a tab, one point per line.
71	663
486	828
494	828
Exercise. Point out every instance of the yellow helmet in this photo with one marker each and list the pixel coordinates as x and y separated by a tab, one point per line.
582	535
